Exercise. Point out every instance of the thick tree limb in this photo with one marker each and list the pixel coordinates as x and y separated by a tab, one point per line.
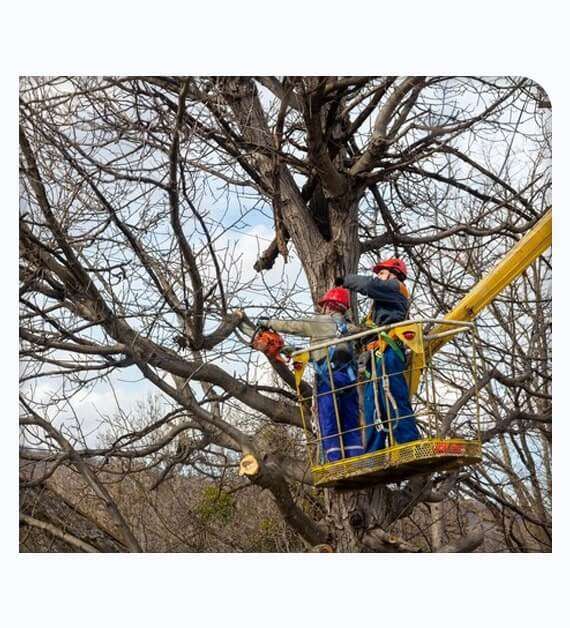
270	476
58	533
197	321
380	137
268	257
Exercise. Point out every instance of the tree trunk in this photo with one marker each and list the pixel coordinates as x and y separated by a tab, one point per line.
335	255
350	513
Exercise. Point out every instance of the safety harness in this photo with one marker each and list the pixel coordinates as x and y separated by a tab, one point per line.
385	339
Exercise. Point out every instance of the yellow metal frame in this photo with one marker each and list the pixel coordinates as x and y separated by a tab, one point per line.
399	462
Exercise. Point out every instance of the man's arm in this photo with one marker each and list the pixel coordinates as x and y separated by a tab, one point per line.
303	327
295	328
383	290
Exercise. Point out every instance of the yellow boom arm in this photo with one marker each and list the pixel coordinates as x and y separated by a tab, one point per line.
515	262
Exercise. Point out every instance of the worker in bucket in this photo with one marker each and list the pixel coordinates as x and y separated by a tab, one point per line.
388	395
331	323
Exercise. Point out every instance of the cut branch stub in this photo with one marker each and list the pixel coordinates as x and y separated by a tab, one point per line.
249	465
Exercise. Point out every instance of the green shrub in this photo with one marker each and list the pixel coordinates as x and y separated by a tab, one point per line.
215	506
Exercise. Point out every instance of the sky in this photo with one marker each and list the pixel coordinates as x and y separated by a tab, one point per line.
245	229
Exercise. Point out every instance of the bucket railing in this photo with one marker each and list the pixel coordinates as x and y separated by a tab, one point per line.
438	396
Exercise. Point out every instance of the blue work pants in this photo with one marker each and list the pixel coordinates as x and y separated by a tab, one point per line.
404	429
347	403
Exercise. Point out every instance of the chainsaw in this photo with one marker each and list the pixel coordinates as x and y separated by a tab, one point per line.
270	343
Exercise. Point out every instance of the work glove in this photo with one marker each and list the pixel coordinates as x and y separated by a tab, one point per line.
339	281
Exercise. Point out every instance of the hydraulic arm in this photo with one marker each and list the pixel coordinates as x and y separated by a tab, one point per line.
515	262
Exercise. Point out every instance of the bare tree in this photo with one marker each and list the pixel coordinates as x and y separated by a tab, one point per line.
130	188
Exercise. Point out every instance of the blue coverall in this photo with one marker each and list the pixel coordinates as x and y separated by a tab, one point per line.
390	305
344	374
404	429
320	328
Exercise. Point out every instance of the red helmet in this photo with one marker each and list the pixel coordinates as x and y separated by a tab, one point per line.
394	265
337	296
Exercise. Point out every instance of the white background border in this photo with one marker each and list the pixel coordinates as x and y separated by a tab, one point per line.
478	38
